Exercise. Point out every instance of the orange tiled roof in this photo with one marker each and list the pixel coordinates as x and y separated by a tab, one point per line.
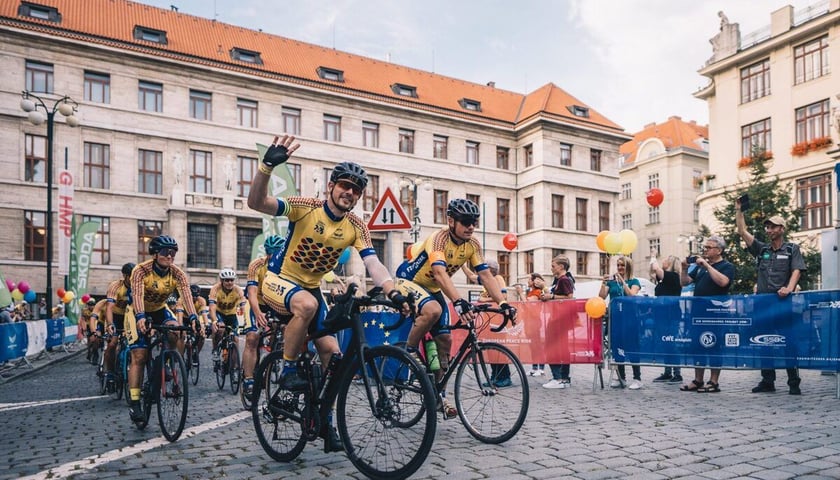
208	42
674	133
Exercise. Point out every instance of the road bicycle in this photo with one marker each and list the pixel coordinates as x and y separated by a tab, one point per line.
270	340
228	363
165	383
491	408
191	357
100	368
123	360
372	410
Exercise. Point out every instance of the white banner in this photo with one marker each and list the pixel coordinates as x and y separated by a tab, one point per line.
65	220
36	330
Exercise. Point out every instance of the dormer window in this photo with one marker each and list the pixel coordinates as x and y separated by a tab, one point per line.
579	111
404	90
247	56
41	12
150	34
467	104
331	74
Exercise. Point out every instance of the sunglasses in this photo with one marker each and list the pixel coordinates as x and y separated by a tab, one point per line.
468	221
357	190
227	280
167	252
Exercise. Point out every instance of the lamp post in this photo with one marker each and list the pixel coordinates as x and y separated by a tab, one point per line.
413	184
67	107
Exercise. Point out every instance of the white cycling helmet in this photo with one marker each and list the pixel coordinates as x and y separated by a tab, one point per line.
227	274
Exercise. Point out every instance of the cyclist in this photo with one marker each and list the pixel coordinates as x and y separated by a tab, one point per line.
256	274
96	323
117	297
428	273
152	282
227	301
319	231
85	326
202	322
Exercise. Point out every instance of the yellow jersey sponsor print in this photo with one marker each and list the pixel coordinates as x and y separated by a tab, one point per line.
226	301
439	249
150	287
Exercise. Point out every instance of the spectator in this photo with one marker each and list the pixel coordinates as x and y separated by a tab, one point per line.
562	287
623	284
5	314
42	308
536	288
501	372
780	264
667	279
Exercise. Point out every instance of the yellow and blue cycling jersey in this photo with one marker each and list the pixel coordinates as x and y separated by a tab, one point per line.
150	287
316	240
118	295
227	302
439	249
256	274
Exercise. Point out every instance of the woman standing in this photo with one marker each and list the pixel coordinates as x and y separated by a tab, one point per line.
562	288
623	284
667	277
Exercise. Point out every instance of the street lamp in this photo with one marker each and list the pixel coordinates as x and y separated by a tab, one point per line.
67	107
413	184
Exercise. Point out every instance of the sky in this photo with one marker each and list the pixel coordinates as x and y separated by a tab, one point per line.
634	61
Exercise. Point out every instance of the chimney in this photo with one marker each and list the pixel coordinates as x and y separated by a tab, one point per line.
491	84
174	8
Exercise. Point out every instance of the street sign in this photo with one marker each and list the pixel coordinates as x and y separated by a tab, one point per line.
388	214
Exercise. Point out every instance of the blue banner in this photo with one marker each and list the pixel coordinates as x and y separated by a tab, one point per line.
55	332
13	341
749	332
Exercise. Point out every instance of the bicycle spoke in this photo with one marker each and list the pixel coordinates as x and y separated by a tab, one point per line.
172	405
278	414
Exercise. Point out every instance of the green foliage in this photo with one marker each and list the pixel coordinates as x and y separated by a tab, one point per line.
768	197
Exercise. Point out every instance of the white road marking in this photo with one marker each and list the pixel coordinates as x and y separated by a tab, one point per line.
93	461
5	407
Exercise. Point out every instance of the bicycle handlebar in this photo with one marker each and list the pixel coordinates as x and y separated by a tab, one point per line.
508	315
349	304
171	328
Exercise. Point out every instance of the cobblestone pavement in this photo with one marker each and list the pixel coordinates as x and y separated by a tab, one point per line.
657	432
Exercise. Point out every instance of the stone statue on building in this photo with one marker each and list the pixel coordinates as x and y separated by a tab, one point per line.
724	20
727	42
178	169
229	175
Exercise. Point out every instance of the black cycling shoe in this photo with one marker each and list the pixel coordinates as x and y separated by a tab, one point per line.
764	387
332	443
293	383
136	412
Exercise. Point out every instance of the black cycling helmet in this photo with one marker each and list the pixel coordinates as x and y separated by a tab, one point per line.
195	290
461	208
159	243
351	172
127	268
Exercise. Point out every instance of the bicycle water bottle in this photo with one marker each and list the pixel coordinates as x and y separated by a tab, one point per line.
432	355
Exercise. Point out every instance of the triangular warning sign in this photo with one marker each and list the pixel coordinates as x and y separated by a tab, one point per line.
388	214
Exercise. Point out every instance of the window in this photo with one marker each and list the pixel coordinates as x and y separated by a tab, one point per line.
291	120
502	158
332	128
441	202
101	254
201	171
41	12
201	105
35	236
39	77
371	194
440	146
582	262
247	56
294	171
755	135
565	155
330	74
370	134
603	216
529	155
97	87
472	153
810	60
35	158
150	172
814	194
247	111
558	211
408	201
529	262
406	139
529	213
653	215
404	90
476	199
472	105
654	245
247	167
244	242
603	264
150	96
595	160
696	178
812	121
696	213
653	181
579	111
503	214
149	34
146	231
97	167
626	191
202	245
581	204
626	221
755	81
504	265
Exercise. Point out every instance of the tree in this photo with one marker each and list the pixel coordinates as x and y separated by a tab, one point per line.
768	197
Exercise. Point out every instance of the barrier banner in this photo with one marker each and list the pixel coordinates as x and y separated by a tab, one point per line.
55	332
558	331
749	331
375	333
36	334
13	341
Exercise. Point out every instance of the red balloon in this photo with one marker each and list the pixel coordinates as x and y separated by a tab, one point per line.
60	292
655	197
510	241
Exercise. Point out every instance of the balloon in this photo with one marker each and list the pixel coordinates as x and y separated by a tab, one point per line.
23	286
345	256
599	240
510	241
655	197
30	296
596	307
17	295
10	285
628	241
329	276
85	298
60	292
612	243
68	297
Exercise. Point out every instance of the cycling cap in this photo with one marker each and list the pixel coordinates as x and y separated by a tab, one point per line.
127	268
227	274
460	208
273	243
159	243
195	290
350	172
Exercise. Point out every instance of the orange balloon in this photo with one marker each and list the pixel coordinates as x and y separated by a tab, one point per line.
599	240
596	307
510	241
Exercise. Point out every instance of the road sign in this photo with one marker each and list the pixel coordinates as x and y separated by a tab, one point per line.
388	214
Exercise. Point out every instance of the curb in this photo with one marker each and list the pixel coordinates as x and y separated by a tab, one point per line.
24	371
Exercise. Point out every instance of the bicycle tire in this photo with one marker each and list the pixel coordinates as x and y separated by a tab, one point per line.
118	378
195	367
246	402
382	444
219	367
100	374
126	366
490	414
147	397
234	368
173	397
411	382
279	415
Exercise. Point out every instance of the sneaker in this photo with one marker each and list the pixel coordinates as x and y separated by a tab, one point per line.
764	387
663	378
136	412
293	382
505	382
617	383
332	442
566	383
675	379
635	384
447	409
534	372
554	384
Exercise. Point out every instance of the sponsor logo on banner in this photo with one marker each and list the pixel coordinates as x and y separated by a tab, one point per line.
768	340
708	339
732	340
675	339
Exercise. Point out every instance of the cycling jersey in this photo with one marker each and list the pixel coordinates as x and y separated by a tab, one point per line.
150	287
256	274
202	310
226	302
118	295
316	240
439	249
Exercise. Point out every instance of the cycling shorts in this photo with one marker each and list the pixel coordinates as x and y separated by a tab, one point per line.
135	340
422	297
227	320
119	323
278	292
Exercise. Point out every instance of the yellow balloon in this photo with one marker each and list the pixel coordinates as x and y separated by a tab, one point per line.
329	276
628	241
612	243
68	297
17	295
596	307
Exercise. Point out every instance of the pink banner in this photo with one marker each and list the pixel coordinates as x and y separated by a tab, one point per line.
558	331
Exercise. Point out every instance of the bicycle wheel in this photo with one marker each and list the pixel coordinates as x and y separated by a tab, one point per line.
125	366
383	443
405	378
100	374
246	402
491	414
221	371
173	396
279	415
147	396
195	366
234	368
